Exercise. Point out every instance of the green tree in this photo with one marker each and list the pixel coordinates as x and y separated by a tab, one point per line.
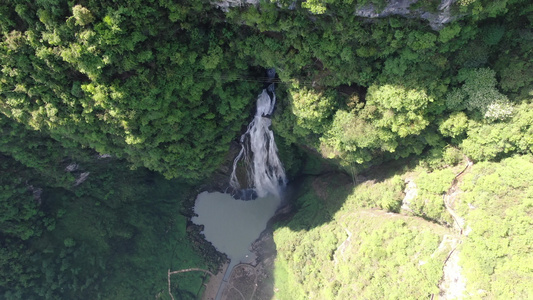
479	93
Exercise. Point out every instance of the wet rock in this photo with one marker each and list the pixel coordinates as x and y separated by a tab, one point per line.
83	176
244	194
219	180
72	167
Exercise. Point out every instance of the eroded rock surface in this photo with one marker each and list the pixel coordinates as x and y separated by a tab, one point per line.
403	8
437	19
411	192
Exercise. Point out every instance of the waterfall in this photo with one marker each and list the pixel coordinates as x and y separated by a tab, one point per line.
259	152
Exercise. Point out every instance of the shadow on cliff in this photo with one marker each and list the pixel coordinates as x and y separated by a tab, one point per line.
314	199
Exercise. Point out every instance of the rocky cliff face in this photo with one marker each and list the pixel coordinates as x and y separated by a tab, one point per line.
436	19
225	5
402	8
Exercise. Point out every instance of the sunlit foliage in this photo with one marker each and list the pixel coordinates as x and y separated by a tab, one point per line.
169	85
498	207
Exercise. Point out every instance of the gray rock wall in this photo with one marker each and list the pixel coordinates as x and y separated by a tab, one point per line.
402	8
436	19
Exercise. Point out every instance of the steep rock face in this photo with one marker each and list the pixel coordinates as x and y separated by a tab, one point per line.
411	192
219	180
225	5
403	8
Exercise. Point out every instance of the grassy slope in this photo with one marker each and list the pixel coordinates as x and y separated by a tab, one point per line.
341	244
497	205
336	246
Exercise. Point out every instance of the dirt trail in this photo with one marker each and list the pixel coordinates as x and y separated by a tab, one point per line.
453	283
450	197
251	280
214	283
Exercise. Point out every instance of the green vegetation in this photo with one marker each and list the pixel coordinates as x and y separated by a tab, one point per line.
377	256
168	90
343	240
164	87
497	205
94	240
428	202
355	249
142	82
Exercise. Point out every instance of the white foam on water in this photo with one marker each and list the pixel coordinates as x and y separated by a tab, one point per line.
259	151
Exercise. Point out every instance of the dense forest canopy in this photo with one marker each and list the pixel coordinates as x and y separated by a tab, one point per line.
165	86
145	82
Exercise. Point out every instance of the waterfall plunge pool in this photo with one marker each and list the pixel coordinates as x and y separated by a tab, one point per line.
233	225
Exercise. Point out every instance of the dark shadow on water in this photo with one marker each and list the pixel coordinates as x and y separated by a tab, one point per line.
243	194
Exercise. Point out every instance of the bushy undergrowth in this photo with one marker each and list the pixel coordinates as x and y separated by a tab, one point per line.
339	246
112	237
329	251
429	202
497	204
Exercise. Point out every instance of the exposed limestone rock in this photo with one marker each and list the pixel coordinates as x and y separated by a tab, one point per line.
82	178
394	7
225	5
36	192
411	192
402	8
72	167
342	247
444	16
453	284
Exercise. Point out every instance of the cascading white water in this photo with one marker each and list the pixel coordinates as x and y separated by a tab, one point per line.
259	151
